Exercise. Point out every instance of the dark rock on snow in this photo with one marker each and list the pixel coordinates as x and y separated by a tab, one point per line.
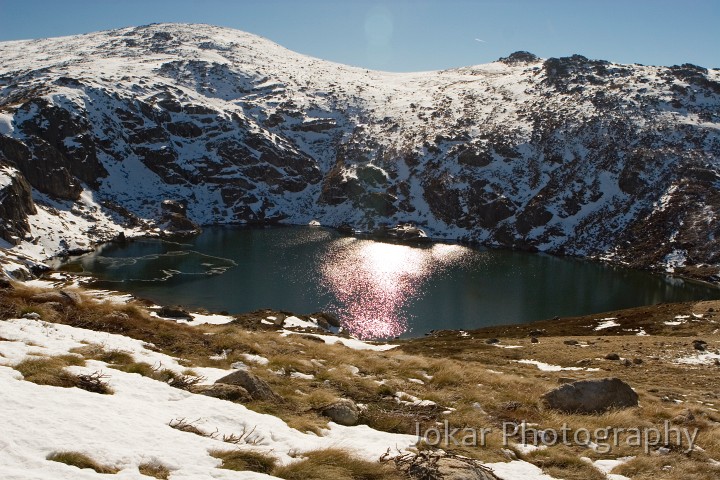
255	386
174	312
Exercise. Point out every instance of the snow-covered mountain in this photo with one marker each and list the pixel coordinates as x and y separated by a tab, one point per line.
564	155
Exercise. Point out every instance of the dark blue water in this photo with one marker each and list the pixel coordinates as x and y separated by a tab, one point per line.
378	289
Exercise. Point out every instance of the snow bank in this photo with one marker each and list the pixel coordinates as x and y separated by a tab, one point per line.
130	427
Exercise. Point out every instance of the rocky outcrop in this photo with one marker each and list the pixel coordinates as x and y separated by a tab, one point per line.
591	396
174	221
16	204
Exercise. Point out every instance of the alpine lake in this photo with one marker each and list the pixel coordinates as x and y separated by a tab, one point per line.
378	289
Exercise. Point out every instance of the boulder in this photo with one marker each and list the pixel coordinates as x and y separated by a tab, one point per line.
255	386
223	391
591	396
344	412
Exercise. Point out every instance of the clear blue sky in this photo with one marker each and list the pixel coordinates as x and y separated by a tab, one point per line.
406	35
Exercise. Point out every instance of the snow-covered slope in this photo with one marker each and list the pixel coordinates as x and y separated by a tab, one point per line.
565	155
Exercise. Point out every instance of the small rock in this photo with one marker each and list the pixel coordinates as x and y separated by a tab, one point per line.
584	362
32	316
536	333
612	356
492	341
256	387
626	362
328	318
344	412
172	312
534	340
700	345
571	342
591	396
637	361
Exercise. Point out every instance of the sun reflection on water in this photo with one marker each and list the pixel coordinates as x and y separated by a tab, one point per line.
374	282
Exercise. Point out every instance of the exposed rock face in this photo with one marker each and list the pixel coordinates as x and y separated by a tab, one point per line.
256	387
16	204
591	396
565	155
174	221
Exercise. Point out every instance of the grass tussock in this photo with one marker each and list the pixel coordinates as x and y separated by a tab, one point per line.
125	362
243	460
336	464
154	469
562	462
165	375
80	460
52	371
667	467
98	352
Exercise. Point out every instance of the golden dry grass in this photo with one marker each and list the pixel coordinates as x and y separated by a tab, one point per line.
335	464
481	385
80	460
243	460
154	469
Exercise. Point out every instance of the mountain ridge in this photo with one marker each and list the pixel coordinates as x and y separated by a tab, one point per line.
564	155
